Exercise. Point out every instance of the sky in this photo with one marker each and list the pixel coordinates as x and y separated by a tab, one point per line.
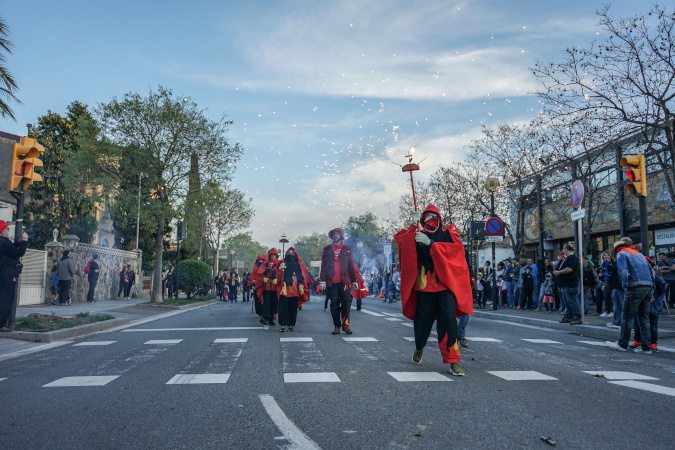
324	96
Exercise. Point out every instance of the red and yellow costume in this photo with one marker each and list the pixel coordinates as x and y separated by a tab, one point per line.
266	283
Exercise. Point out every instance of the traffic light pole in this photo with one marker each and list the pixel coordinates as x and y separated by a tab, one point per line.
18	232
644	232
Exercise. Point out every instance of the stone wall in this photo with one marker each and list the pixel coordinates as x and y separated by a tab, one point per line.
111	261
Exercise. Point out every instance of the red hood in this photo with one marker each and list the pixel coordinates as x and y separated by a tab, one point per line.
272	251
260	256
433	209
330	233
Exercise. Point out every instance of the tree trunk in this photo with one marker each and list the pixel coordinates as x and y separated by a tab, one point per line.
156	296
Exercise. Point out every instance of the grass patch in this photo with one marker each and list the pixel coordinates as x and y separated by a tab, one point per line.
42	323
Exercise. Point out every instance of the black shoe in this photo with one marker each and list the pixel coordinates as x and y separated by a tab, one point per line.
576	320
272	323
347	330
264	321
336	330
566	319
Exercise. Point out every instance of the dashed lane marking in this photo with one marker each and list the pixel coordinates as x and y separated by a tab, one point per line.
521	375
412	339
598	343
313	377
394	319
541	341
200	378
2	379
372	313
82	381
28	351
667	349
360	339
646	387
94	343
193	329
230	340
618	375
482	339
296	339
164	341
408	324
418	376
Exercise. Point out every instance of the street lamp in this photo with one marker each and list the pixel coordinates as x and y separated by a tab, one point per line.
360	246
491	185
231	258
283	239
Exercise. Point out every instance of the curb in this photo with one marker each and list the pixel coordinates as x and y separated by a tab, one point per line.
186	307
605	333
66	333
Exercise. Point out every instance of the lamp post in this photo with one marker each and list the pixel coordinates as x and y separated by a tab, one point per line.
283	239
231	258
138	216
491	185
360	246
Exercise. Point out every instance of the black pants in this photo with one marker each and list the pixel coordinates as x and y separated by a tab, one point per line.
233	294
270	304
671	298
325	303
340	304
288	310
257	303
121	289
64	290
92	288
438	306
7	292
526	297
246	294
358	304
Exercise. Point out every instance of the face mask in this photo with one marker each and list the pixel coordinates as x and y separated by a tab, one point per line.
431	225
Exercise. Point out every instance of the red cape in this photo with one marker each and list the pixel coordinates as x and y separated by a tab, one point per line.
362	291
450	265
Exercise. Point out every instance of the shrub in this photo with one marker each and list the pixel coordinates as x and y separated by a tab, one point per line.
195	277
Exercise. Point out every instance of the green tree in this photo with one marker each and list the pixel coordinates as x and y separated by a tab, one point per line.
366	230
245	249
53	204
153	134
8	86
309	248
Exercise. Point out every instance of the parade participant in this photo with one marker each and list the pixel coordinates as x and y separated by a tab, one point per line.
309	283
435	284
267	275
337	277
291	287
362	291
245	288
10	269
255	285
233	285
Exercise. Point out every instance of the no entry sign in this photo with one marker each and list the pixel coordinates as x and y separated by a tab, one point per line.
494	226
577	195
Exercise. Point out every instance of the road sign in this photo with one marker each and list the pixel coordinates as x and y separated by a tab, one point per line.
577	194
494	226
494	239
579	214
476	230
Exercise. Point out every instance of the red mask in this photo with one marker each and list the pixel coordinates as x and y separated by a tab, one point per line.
431	224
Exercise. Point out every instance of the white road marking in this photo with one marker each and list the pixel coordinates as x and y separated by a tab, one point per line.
370	312
230	340
481	339
296	339
311	377
359	339
94	343
195	329
28	351
646	387
412	339
409	325
164	341
617	375
149	319
393	319
200	378
599	343
81	381
520	375
667	349
2	379
418	376
297	438
541	341
391	314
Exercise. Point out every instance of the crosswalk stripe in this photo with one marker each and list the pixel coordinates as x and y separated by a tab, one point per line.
618	375
94	343
163	341
311	377
296	339
646	387
372	313
521	375
82	381
393	319
2	379
230	340
191	329
408	324
541	341
418	376
412	339
200	378
359	339
598	343
482	339
667	349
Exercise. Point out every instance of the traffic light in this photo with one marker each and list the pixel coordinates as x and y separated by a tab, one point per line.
637	175
25	156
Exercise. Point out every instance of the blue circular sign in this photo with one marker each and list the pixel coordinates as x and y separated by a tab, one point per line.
494	226
577	194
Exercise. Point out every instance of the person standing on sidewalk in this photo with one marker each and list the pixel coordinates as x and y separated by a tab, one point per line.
337	277
637	279
508	281
567	279
132	281
66	270
92	272
667	269
10	269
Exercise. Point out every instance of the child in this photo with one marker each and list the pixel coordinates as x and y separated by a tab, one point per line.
548	293
54	285
480	287
528	289
502	292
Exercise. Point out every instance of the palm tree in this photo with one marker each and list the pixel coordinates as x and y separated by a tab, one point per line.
7	84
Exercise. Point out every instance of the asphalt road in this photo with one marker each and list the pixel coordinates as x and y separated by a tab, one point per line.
193	391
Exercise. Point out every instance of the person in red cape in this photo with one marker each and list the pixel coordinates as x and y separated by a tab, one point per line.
291	286
362	291
337	277
435	284
268	275
309	282
255	282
